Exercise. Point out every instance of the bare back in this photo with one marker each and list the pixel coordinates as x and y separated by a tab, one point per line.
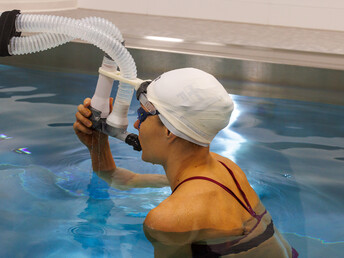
222	217
201	205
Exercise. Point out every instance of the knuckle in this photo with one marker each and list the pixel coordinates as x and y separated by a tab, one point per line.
76	126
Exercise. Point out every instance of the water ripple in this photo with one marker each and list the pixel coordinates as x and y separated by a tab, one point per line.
87	230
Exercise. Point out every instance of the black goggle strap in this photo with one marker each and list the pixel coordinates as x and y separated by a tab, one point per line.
141	96
142	89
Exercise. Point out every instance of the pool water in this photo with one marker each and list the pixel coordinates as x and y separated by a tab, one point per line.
52	205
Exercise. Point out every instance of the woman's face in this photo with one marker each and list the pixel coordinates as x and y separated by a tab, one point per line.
151	132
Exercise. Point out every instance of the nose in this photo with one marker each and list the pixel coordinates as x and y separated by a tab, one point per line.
136	124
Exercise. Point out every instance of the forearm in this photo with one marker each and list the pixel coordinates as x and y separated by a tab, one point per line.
102	159
104	166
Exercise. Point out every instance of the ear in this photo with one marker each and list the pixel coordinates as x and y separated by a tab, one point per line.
169	135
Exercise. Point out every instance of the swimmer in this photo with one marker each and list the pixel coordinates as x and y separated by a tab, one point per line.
212	211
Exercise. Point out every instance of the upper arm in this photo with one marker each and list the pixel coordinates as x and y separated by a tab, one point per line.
148	180
162	228
166	248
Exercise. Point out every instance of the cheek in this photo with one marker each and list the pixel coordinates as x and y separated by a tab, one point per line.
143	136
146	145
136	124
149	140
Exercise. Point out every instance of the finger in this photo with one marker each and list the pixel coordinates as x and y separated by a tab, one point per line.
83	120
80	128
84	111
76	126
87	102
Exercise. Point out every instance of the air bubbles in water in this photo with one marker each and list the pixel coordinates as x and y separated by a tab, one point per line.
22	151
286	175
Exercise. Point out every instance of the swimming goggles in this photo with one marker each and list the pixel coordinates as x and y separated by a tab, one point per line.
142	115
141	95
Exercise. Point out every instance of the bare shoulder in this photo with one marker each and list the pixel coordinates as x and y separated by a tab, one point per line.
178	213
188	210
164	217
225	160
229	163
177	222
241	177
167	224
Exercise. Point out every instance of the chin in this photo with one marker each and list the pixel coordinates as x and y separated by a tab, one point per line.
148	158
144	157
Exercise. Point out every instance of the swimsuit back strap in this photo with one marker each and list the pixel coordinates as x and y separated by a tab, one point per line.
221	185
251	211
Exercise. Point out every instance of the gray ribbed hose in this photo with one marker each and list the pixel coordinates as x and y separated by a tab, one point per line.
45	41
73	28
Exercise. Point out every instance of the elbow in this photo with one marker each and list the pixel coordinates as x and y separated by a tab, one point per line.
131	181
123	179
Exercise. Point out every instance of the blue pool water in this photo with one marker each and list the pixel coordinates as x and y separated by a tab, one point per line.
51	205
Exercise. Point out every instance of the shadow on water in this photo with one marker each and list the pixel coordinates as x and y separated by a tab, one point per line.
91	231
108	229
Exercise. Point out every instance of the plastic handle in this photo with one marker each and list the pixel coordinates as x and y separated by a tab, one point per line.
118	77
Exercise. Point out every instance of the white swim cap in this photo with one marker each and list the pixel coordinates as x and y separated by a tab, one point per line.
192	104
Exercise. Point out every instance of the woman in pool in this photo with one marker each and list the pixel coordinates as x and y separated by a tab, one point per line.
212	211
